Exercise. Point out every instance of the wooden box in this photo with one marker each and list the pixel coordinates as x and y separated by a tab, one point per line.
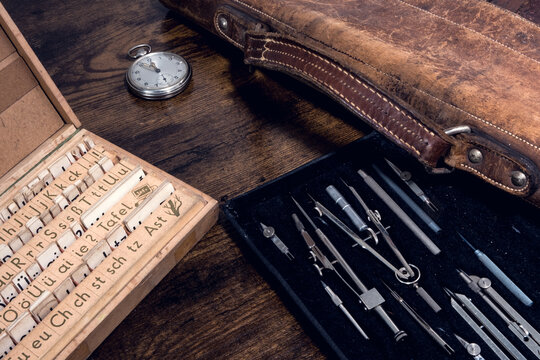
37	128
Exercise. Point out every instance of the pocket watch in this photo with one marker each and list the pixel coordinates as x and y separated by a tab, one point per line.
156	75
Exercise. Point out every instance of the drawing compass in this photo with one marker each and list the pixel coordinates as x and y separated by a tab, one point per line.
528	335
270	233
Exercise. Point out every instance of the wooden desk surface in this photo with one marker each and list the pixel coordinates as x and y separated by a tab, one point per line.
230	131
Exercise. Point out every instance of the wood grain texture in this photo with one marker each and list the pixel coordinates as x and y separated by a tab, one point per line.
230	131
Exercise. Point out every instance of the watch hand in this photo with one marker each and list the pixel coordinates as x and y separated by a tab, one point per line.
146	66
152	67
155	67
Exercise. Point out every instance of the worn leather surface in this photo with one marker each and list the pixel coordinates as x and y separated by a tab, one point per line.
432	65
388	118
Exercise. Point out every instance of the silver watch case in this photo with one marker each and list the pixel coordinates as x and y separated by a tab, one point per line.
158	94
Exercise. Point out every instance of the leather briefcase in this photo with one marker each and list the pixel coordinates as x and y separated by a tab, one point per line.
454	82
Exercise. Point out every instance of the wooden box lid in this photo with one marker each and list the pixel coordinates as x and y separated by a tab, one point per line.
32	109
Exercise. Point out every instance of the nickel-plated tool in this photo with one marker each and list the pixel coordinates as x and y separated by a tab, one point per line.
349	210
408	276
270	233
317	255
337	301
423	324
515	322
377	189
375	218
314	250
473	349
370	298
499	274
478	322
323	211
407	179
407	199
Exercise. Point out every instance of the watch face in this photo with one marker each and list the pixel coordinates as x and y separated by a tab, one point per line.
158	75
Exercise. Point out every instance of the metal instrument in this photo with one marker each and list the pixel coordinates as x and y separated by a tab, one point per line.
473	349
323	211
376	188
314	250
370	298
516	323
499	274
349	210
478	322
337	301
407	199
407	179
270	233
406	276
317	254
423	324
375	218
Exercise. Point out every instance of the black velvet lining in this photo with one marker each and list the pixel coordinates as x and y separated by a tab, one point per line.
505	228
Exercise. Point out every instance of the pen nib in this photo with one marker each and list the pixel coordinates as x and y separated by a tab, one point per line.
430	205
461	340
465	241
392	292
449	292
394	167
343	181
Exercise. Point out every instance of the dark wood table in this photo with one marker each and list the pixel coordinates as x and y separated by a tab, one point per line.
230	131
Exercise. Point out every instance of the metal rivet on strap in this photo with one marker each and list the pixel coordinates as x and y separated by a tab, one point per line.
475	156
223	23
519	178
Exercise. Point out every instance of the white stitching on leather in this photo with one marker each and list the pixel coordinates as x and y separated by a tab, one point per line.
494	182
398	80
336	92
354	79
400	124
480	119
349	102
416	134
513	14
467	28
264	14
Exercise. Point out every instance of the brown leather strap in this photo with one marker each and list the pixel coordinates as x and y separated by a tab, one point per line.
278	52
498	163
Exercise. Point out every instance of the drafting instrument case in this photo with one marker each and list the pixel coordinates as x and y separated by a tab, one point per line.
36	127
454	84
412	69
502	226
